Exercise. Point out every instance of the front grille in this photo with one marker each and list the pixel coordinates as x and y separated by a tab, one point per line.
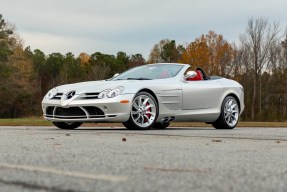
93	95
72	111
94	111
57	96
90	95
85	112
49	110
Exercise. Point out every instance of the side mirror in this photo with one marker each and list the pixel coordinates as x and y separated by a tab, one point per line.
190	74
115	75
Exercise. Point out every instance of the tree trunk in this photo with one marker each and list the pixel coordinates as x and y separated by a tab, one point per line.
254	98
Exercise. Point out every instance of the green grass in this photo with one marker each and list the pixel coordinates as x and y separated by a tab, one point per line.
37	121
24	122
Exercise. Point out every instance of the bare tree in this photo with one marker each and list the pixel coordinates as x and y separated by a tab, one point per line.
284	52
260	35
99	72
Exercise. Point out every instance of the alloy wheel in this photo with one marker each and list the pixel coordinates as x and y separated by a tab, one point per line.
231	112
143	111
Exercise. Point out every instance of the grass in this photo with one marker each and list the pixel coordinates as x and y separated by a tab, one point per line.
38	121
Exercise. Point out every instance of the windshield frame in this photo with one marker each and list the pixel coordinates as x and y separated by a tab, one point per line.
123	76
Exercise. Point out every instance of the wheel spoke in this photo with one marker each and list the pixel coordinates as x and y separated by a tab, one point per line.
228	119
142	119
234	118
135	112
149	106
136	120
148	120
140	101
225	113
145	101
135	105
233	106
151	113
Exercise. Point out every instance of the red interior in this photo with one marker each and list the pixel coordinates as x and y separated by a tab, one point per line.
164	74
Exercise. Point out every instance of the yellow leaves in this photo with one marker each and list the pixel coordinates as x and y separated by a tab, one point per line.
21	62
84	59
210	52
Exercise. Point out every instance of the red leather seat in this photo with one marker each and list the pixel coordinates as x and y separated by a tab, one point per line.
165	74
198	77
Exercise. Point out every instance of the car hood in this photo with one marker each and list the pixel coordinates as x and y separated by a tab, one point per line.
94	86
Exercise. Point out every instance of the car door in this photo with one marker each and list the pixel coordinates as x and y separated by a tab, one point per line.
202	94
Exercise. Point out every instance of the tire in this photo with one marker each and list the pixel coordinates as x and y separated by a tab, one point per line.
229	114
160	125
144	112
67	125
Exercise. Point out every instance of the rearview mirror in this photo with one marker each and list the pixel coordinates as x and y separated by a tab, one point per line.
190	74
115	75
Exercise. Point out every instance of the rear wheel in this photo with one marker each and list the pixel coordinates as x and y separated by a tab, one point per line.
144	112
229	115
67	125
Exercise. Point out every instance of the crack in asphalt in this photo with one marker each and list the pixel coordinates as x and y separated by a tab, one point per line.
28	185
110	178
140	132
198	136
34	186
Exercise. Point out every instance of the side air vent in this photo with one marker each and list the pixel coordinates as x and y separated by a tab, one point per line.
168	119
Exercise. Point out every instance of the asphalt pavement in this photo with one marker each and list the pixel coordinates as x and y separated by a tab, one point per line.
116	159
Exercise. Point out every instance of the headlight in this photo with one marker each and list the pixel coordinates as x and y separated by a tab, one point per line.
110	93
104	94
51	93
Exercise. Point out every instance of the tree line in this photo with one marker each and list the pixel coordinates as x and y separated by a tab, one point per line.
258	61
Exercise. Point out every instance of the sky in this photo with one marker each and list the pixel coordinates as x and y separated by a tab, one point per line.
132	26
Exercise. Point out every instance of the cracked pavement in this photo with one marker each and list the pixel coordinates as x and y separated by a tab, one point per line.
116	159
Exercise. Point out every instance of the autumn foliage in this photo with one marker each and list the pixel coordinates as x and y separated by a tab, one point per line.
210	52
259	64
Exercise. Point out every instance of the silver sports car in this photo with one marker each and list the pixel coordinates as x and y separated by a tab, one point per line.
149	96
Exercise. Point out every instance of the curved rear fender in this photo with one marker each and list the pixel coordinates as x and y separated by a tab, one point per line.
237	93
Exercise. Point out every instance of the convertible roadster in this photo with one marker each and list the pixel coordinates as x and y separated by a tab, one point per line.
148	96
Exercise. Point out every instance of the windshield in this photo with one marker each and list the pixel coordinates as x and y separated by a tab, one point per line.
150	72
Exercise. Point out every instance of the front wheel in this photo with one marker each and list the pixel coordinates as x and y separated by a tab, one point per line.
229	115
67	125
144	112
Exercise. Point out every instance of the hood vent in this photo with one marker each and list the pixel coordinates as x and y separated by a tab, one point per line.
89	95
57	96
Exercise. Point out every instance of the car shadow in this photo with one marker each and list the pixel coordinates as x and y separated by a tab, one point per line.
164	130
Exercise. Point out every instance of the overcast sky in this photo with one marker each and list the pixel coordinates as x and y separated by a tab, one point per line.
132	26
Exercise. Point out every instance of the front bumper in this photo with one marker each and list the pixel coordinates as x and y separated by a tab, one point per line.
89	110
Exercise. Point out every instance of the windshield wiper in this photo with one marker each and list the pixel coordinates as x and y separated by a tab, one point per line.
140	78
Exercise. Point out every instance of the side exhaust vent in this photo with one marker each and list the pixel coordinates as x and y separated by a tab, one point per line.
168	119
